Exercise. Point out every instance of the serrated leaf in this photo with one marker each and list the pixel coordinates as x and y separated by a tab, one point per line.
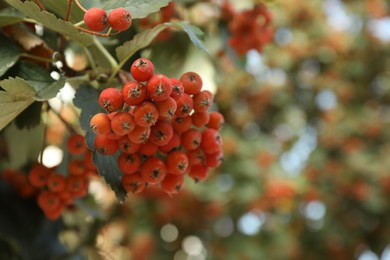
9	54
16	97
143	39
8	16
137	8
87	99
107	167
60	7
51	22
45	86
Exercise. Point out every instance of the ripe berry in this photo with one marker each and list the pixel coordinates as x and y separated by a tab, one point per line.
196	156
202	101
172	184
38	175
100	124
214	159
148	149
161	133
133	183
185	105
77	185
177	162
111	99
139	134
200	119
145	114
198	172
76	167
95	19
181	124
216	120
128	146
120	19
211	141
105	145
76	144
55	182
129	163
159	87
122	123
166	108
134	93
177	88
48	200
190	139
153	170
192	83
172	144
142	69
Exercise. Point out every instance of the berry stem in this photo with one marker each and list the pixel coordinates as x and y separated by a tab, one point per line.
30	56
68	10
40	5
80	6
105	53
90	60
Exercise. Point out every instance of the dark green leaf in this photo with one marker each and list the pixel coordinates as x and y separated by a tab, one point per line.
60	7
9	16
87	99
51	22
9	54
108	168
30	117
138	8
144	38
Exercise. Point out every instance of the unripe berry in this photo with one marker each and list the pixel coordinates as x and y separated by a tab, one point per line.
95	19
142	69
119	19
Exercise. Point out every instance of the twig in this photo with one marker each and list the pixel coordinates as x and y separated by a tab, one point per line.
80	6
40	5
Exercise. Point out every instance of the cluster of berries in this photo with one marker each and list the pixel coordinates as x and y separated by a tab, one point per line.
250	29
55	192
96	19
162	128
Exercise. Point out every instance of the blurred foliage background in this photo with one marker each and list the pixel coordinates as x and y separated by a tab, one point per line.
306	140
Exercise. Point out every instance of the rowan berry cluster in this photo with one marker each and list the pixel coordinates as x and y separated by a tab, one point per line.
55	192
250	29
96	19
162	128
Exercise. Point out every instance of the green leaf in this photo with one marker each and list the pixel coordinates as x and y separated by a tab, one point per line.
137	8
45	86
9	16
16	97
51	22
30	117
9	54
60	7
24	145
87	99
144	38
108	168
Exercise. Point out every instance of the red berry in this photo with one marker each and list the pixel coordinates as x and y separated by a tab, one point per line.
177	162
202	101
159	87
111	99
166	108
100	124
95	19
185	105
105	145
133	183
153	170
214	159
200	119
120	19
216	120
55	182
76	144
196	156
181	124
211	141
142	69
172	184
191	139
198	172
76	167
192	83
48	200
161	133
77	185
148	149
129	163
139	134
38	175
172	144
122	123
145	114
134	93
177	88
128	146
